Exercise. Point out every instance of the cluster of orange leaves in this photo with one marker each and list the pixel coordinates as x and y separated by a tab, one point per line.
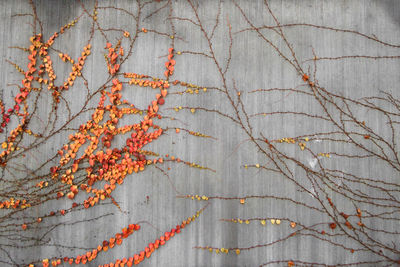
91	255
38	50
77	67
14	204
113	54
152	247
111	165
169	65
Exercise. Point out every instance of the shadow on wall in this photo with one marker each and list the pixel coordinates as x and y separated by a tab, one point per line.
55	14
392	9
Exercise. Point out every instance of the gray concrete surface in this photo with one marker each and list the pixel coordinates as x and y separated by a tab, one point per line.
254	65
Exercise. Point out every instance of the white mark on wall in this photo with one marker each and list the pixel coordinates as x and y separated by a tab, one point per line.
313	162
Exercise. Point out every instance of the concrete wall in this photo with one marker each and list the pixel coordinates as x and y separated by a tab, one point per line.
149	196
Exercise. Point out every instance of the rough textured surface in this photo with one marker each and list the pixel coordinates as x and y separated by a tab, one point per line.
254	65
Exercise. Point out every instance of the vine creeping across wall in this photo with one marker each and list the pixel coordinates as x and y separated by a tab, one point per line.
119	117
